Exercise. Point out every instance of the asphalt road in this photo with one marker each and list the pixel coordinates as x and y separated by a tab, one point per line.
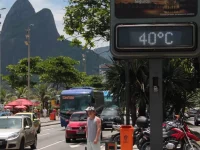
53	138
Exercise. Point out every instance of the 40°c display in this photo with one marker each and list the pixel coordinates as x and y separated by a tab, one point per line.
152	38
155	36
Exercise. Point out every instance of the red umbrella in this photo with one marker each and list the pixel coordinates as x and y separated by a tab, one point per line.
20	102
20	107
7	107
36	103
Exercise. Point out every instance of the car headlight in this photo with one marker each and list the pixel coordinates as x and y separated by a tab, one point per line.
68	128
13	136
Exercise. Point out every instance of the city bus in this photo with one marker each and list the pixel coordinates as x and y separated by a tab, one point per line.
78	99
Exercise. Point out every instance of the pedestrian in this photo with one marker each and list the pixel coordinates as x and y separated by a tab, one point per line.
39	114
93	129
58	113
44	112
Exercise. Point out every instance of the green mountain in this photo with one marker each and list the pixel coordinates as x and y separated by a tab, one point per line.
43	38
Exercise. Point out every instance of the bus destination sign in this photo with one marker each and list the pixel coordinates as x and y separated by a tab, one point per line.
68	97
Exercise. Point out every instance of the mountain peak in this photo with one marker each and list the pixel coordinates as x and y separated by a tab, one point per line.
20	11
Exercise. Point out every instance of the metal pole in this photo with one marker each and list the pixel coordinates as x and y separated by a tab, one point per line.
127	84
156	103
0	70
29	50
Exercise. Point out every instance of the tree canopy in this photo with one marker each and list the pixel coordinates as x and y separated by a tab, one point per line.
89	20
18	73
60	71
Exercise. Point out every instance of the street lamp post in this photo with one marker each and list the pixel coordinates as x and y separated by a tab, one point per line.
28	43
0	58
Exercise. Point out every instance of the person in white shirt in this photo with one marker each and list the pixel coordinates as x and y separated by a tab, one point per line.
44	112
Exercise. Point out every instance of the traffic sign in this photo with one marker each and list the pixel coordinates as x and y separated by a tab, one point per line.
154	28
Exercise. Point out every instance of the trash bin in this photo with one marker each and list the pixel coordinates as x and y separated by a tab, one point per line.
52	116
126	137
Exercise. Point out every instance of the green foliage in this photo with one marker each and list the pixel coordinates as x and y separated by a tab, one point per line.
44	92
18	73
5	96
178	89
59	71
92	81
87	19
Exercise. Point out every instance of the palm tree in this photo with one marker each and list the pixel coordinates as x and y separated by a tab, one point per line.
177	77
139	78
21	92
44	92
5	96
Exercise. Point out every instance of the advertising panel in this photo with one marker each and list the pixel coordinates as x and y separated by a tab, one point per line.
155	8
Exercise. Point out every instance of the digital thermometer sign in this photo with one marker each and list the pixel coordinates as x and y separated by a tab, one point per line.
156	37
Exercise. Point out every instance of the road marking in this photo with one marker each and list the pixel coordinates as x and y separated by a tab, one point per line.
51	145
47	129
43	134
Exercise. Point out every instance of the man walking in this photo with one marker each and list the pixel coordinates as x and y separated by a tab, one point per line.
93	129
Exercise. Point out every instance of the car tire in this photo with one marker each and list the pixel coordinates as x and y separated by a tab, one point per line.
196	124
67	140
39	129
34	146
21	145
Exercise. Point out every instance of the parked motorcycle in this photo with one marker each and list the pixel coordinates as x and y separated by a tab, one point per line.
176	135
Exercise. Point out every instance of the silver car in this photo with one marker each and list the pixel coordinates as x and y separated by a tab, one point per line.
17	132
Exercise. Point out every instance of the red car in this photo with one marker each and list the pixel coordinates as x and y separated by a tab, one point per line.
76	127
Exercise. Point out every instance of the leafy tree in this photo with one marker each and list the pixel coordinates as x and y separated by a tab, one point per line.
96	81
91	23
18	73
43	92
60	71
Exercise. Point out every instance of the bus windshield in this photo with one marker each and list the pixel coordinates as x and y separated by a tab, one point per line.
74	102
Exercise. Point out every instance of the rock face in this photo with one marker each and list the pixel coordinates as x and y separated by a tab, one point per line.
43	38
104	52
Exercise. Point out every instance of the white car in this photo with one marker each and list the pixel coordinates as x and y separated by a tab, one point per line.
17	132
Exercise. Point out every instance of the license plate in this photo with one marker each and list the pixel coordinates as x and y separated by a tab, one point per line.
80	132
1	143
109	124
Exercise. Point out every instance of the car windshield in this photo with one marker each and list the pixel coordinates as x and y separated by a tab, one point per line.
10	123
78	117
28	115
109	112
75	103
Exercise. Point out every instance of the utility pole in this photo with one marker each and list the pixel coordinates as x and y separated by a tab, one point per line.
28	43
127	84
0	59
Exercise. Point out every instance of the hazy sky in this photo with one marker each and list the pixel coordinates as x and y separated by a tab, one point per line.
56	6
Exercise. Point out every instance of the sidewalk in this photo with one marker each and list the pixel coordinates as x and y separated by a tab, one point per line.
47	122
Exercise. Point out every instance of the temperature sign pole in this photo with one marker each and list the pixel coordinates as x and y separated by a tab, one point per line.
155	30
